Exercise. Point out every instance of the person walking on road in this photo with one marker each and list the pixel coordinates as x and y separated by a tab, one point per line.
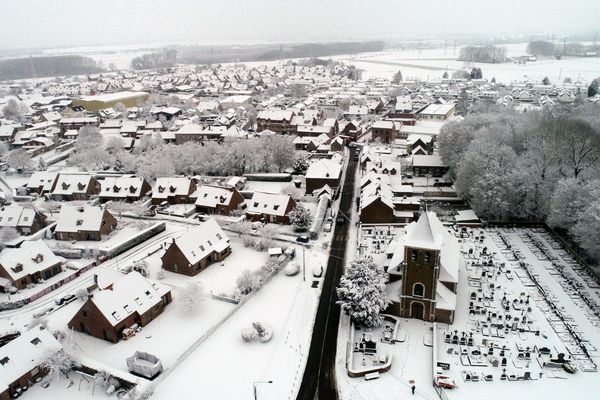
413	389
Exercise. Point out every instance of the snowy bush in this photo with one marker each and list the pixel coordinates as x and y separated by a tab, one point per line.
258	331
191	296
38	320
59	335
291	269
362	291
81	294
249	335
59	363
106	382
160	275
264	332
248	241
247	282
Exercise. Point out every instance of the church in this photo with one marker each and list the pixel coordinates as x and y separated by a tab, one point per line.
423	272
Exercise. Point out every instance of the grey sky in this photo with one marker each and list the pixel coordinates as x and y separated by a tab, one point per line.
48	23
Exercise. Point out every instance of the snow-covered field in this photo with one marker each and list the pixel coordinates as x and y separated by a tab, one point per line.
429	64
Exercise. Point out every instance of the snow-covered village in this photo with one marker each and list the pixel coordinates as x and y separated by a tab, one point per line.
299	200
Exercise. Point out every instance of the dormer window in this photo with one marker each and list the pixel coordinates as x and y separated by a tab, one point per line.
39	258
201	248
36	341
80	186
275	207
161	189
65	185
115	315
172	189
132	189
4	360
219	236
79	222
427	257
126	308
18	267
255	204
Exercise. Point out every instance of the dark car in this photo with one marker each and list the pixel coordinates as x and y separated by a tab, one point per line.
65	299
302	239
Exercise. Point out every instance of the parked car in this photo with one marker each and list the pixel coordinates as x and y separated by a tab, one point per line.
302	239
66	299
327	227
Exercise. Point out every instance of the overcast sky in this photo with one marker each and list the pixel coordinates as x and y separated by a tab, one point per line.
50	23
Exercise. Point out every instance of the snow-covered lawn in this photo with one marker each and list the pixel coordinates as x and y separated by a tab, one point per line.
224	367
264	186
79	390
218	277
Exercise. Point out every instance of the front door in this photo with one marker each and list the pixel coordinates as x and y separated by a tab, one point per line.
416	310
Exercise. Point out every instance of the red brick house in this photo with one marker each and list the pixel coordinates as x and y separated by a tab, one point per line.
123	189
173	190
217	199
324	172
270	207
32	262
278	121
130	300
24	219
71	187
384	131
83	223
22	360
196	249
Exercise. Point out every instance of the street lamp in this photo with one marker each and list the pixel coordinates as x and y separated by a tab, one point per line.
254	387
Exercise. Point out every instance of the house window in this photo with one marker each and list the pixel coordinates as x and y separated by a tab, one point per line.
413	255
427	257
4	361
84	313
219	236
418	290
209	243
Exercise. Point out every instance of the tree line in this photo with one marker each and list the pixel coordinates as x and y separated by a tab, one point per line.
153	158
36	67
535	166
483	54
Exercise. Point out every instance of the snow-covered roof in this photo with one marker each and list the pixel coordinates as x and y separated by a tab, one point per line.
131	293
25	353
324	169
211	196
200	242
268	203
68	184
445	299
276	115
427	161
79	218
16	216
169	186
121	187
33	256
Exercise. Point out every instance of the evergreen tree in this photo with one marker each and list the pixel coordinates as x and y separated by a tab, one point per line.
362	292
593	88
545	81
445	75
397	77
462	105
300	218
